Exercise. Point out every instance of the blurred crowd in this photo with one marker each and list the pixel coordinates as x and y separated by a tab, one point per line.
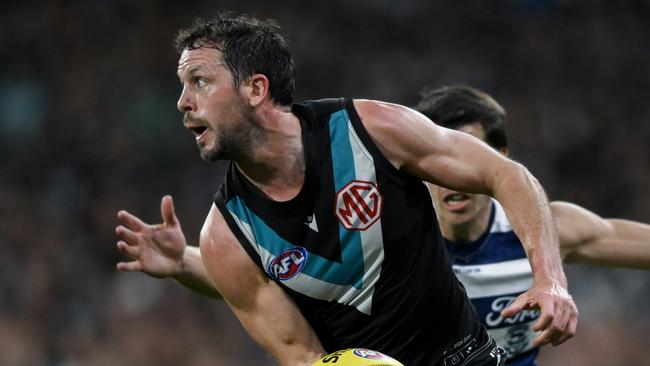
88	126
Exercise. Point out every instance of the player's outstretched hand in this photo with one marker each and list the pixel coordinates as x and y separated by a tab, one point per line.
558	313
154	249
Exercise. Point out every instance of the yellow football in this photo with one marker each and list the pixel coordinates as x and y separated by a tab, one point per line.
357	357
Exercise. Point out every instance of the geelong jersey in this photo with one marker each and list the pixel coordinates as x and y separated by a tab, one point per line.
495	270
358	249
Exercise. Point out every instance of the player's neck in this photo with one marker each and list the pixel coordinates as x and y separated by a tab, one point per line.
276	164
468	231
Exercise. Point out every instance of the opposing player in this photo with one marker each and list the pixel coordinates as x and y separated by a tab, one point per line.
322	236
487	255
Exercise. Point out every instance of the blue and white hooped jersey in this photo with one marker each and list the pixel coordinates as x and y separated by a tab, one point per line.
358	248
494	270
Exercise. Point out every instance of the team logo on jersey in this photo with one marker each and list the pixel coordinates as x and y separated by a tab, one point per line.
288	263
518	339
493	319
368	354
358	205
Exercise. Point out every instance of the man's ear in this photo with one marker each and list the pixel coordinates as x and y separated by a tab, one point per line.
256	89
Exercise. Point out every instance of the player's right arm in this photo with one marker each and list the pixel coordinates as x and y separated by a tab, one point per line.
266	311
588	238
453	159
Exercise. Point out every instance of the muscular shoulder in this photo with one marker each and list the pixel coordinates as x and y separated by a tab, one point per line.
230	268
383	117
397	130
216	235
377	109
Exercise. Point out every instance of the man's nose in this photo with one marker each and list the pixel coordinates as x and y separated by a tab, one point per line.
185	102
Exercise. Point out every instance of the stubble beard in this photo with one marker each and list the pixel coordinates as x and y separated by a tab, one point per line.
226	147
233	142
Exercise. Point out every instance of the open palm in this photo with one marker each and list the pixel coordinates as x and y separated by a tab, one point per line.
153	249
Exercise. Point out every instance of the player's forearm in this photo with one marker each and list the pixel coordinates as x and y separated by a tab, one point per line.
193	274
626	244
528	211
276	324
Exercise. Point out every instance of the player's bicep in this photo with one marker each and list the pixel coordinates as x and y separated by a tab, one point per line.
457	161
224	259
579	230
446	157
588	238
263	308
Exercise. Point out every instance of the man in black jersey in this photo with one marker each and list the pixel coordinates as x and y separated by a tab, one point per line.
320	237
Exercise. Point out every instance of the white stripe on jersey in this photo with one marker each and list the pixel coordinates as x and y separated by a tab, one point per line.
494	279
492	286
372	239
500	223
308	285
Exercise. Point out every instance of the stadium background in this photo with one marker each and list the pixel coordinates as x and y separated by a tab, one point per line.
88	126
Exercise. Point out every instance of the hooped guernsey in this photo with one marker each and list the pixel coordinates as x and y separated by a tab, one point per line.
358	249
495	270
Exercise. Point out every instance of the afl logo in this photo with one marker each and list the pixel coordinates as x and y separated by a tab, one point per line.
358	205
368	354
288	263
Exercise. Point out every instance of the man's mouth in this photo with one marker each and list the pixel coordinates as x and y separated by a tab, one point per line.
198	131
456	201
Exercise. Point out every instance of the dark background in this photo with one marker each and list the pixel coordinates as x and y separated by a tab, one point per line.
88	126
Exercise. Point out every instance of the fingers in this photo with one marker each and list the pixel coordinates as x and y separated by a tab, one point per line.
545	324
130	221
570	330
555	334
546	317
559	324
543	338
521	302
129	266
167	210
565	327
127	235
130	251
551	327
558	321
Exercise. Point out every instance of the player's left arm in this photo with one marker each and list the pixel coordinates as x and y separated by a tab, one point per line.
456	160
588	238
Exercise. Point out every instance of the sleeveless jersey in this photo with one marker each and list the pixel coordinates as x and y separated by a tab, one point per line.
495	270
358	249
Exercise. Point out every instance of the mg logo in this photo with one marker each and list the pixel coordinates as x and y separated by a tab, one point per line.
358	205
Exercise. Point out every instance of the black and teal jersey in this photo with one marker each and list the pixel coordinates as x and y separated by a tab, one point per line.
358	249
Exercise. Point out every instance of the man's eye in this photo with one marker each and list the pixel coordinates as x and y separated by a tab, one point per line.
200	82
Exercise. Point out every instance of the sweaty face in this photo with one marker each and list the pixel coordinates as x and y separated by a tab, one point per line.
213	109
458	208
